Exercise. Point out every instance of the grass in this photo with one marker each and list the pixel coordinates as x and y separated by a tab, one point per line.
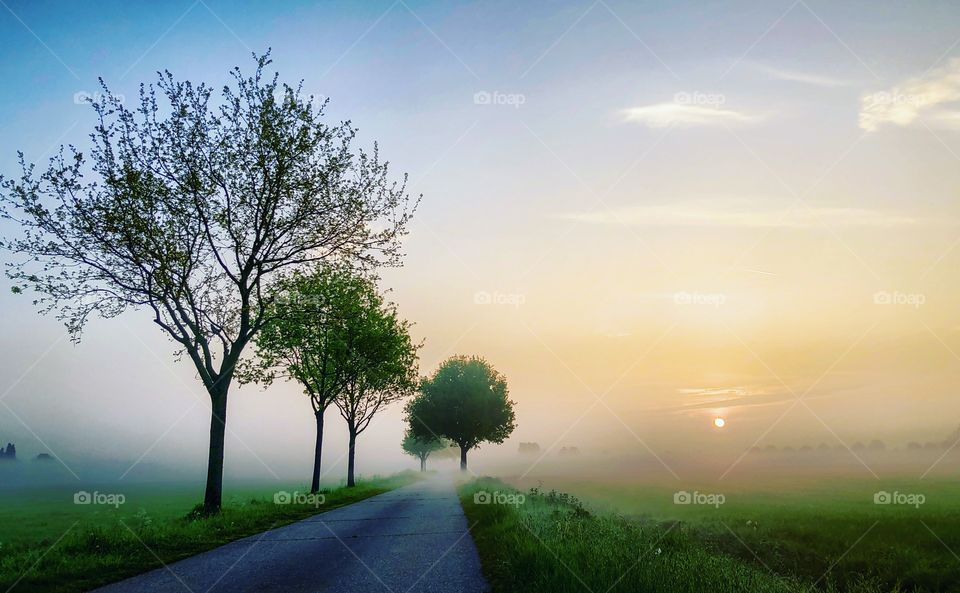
824	530
49	544
553	543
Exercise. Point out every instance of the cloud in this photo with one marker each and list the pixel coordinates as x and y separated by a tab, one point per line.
702	392
802	77
662	115
929	94
741	214
719	398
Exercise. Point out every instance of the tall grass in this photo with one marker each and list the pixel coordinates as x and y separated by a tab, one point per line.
551	544
827	529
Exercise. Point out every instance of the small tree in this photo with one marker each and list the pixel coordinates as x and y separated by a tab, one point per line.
421	449
192	210
465	401
380	366
305	341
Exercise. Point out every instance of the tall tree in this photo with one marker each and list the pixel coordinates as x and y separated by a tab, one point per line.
421	449
381	367
191	207
306	340
466	401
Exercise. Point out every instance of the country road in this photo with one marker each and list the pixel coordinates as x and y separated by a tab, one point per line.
410	540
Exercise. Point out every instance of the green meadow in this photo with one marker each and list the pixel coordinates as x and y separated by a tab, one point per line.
827	535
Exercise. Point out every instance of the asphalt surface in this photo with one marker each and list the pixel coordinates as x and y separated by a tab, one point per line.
410	540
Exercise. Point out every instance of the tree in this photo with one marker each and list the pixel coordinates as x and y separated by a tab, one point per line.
192	210
465	401
421	449
305	341
380	366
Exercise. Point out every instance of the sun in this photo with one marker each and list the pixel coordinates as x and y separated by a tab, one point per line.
719	422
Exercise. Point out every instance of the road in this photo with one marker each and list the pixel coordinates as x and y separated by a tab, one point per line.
411	540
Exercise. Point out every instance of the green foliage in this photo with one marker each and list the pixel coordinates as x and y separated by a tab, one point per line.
466	401
312	319
380	365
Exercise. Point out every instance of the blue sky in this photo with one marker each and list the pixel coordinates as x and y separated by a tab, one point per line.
639	149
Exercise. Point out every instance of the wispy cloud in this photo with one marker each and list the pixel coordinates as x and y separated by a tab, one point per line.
726	398
715	391
742	213
801	77
931	94
662	115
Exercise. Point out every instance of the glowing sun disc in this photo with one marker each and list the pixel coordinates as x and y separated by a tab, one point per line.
719	422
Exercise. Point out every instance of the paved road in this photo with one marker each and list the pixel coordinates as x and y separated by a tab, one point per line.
410	540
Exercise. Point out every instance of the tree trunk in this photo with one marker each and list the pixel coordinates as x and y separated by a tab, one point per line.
463	459
350	459
218	423
318	448
423	463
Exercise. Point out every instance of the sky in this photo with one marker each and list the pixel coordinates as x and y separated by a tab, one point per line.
646	215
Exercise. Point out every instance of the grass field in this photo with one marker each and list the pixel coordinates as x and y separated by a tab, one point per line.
50	544
631	537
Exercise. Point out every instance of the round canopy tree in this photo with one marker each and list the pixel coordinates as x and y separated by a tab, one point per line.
190	207
422	449
465	401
